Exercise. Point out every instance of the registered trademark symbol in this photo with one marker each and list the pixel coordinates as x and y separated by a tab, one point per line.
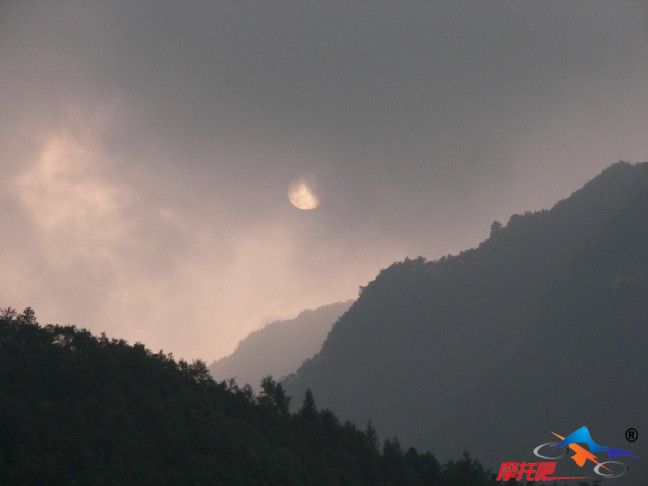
632	434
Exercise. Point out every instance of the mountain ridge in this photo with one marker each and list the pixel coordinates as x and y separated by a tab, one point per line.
447	333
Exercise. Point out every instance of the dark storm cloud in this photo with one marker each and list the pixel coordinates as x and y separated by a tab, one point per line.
423	122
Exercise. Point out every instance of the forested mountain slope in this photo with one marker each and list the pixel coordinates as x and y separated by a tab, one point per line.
543	327
76	409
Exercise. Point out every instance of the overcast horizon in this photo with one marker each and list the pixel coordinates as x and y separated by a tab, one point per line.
147	149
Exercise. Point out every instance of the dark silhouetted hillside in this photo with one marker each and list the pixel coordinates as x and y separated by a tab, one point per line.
76	409
280	347
543	327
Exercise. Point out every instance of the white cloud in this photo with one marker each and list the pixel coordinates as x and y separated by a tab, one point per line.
80	214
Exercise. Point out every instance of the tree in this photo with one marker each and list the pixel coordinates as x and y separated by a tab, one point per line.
392	461
273	395
495	228
372	436
8	313
308	409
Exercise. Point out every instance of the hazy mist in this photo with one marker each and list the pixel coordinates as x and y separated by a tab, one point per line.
146	152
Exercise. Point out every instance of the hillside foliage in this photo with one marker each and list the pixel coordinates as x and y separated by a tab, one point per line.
78	409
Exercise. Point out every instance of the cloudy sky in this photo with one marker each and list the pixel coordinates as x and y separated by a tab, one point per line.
146	148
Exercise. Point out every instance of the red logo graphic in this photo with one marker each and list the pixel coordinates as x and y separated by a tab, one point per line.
531	471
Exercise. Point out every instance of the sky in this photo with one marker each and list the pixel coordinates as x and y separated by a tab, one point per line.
147	147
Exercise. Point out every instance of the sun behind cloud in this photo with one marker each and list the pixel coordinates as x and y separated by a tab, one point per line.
303	194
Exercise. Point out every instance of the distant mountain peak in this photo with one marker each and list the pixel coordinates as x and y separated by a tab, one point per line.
280	347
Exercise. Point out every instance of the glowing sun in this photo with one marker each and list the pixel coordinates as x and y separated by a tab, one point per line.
302	193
